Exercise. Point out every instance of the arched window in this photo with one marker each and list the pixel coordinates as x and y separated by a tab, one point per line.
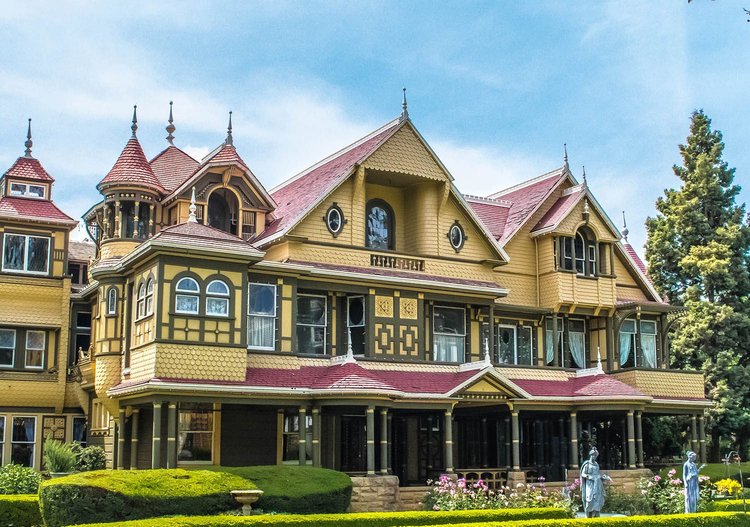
141	303
217	299
578	253
380	225
150	297
223	209
112	301
186	299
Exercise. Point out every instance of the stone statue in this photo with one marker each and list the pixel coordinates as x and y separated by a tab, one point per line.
592	485
690	473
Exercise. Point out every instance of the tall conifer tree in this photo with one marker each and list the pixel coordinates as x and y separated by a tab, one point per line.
698	252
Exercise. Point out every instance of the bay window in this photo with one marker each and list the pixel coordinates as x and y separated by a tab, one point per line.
261	316
186	299
648	343
217	299
24	253
311	323
630	354
23	438
579	253
449	333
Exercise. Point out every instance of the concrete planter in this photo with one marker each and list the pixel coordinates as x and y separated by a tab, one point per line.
246	498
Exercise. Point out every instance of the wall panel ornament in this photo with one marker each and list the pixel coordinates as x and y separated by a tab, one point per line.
408	308
384	306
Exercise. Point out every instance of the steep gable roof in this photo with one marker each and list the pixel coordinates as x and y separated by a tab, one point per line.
493	213
172	167
560	209
34	210
132	167
28	167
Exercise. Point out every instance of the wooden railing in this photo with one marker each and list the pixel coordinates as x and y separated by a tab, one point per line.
494	478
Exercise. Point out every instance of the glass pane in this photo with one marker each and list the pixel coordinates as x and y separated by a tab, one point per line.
34	358
150	287
218	287
311	339
378	228
449	321
15	252
36	191
577	325
7	338
311	310
23	429
449	348
217	306
628	326
524	346
187	284
648	326
22	454
196	421
195	447
506	342
262	299
186	303
2	429
38	254
142	291
260	331
356	311
17	189
35	340
6	356
334	220
79	430
149	305
112	302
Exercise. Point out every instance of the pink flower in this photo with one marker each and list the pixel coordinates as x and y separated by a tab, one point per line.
657	478
644	492
672	472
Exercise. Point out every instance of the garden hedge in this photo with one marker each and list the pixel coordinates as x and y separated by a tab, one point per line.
704	519
19	510
297	490
364	519
118	495
730	505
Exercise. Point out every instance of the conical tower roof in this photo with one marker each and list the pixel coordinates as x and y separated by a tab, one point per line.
132	168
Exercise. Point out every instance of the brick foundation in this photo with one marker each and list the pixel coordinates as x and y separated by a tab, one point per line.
375	494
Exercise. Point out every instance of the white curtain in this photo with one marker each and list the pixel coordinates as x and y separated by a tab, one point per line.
550	356
577	348
625	344
449	348
648	344
260	331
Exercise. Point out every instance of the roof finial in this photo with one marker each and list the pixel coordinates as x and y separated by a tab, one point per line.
625	230
404	110
192	218
170	127
565	156
585	184
229	141
29	143
134	127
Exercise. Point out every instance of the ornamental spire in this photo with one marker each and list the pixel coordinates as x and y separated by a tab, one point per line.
585	184
134	127
229	140
565	156
625	230
192	218
29	143
170	127
404	109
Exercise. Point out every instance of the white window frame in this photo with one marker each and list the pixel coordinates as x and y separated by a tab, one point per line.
149	297
325	321
13	354
218	296
567	252
32	442
26	348
580	257
26	254
26	192
3	430
262	315
591	259
436	333
112	301
140	305
182	292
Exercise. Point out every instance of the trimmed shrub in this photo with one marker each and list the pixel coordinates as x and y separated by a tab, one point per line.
114	496
297	490
20	510
703	519
365	519
730	505
17	479
91	458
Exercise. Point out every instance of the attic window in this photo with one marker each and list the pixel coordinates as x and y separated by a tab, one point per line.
334	219
380	225
456	236
579	253
27	190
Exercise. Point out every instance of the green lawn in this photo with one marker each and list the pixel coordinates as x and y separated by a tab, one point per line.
717	471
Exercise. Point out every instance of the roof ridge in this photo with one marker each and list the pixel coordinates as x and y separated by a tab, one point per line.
489	201
557	171
339	153
157	156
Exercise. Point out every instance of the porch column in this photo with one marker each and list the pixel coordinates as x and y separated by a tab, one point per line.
555	342
694	433
390	435
573	461
491	327
609	330
639	438
302	436
506	423
156	437
449	441
134	439
702	437
516	438
370	440
118	219
631	439
172	435
384	441
316	436
121	438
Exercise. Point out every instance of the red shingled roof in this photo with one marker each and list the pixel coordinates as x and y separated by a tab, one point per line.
204	237
132	167
33	209
297	195
226	155
559	210
637	259
28	168
589	386
172	167
493	213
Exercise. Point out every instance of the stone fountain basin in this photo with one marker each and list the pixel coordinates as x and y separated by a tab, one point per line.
246	498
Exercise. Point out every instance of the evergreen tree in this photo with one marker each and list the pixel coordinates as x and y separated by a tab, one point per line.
698	253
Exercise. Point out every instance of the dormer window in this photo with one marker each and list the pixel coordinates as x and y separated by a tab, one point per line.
579	253
27	190
223	209
380	225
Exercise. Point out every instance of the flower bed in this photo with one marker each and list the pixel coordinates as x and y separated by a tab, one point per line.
667	494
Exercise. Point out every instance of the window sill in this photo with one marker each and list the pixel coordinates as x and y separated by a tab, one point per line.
25	273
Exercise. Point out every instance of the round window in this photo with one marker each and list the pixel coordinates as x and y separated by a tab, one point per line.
456	236
335	220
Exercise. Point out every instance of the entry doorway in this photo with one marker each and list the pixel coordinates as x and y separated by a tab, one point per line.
417	447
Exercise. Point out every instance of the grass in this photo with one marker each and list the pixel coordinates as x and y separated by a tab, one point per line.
716	471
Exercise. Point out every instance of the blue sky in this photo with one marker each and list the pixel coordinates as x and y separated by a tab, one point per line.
495	87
